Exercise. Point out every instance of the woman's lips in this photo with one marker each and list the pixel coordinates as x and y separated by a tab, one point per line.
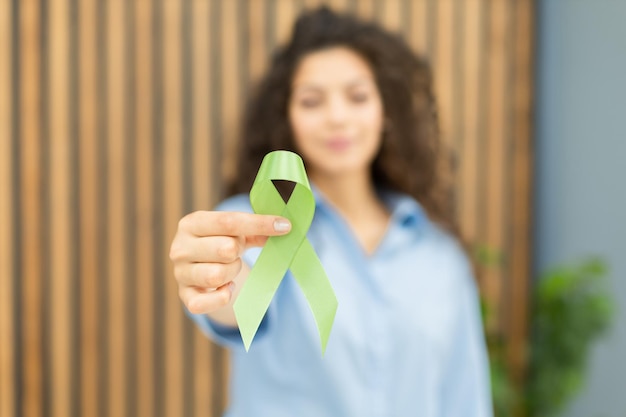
338	144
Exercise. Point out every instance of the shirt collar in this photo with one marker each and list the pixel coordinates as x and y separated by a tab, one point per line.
405	211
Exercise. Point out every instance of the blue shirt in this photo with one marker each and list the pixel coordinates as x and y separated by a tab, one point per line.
407	338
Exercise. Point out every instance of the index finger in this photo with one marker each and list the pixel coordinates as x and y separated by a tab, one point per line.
231	223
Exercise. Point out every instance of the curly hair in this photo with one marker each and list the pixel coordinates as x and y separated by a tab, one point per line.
411	159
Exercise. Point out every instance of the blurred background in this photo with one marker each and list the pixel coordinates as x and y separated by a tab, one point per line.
119	117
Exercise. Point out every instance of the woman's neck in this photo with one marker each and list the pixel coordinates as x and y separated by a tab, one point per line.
349	194
355	198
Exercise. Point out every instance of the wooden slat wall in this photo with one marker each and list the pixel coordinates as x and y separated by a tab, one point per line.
8	253
117	117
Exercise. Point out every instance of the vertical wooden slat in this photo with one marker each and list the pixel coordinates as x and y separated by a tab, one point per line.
418	32
338	5
157	192
521	207
468	154
205	381
230	86
285	15
60	245
392	15
258	53
144	212
31	225
7	255
89	202
172	166
117	250
310	4
443	67
130	209
365	9
202	181
495	152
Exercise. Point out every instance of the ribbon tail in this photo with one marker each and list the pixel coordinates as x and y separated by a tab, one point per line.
257	293
310	275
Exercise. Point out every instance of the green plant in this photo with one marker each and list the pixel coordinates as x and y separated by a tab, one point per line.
504	394
571	308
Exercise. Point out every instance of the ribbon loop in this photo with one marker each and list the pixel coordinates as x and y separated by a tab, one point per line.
280	253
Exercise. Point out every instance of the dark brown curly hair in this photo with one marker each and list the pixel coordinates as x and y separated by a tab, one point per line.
411	159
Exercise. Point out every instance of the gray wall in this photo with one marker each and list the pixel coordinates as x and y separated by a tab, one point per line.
581	166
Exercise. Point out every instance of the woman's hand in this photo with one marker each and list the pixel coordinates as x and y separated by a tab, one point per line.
206	253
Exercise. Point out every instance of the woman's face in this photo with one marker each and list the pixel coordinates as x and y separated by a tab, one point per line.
336	112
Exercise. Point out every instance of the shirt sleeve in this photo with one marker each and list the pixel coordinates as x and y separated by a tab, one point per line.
229	336
466	390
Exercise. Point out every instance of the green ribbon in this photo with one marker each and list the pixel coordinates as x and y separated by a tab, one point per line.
280	253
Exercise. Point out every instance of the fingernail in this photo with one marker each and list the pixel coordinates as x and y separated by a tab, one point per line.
231	287
282	225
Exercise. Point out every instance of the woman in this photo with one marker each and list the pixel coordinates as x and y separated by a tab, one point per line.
357	105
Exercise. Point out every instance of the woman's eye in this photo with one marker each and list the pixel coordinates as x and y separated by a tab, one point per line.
309	102
359	97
